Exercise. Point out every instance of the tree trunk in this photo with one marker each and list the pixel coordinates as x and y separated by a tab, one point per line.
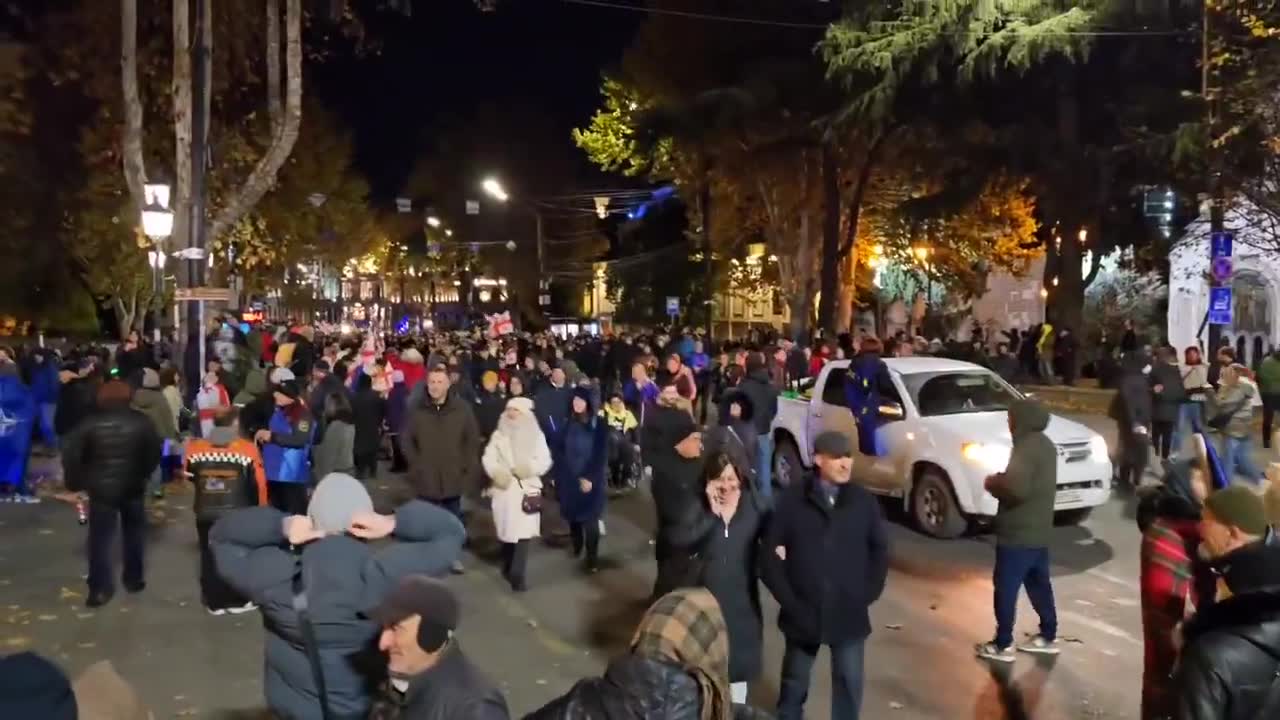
1066	257
182	133
264	173
845	295
830	274
135	171
275	108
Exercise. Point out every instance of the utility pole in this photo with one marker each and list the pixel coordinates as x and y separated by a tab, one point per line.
1217	211
199	143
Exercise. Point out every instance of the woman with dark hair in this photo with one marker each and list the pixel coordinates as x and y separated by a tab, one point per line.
515	386
334	450
286	445
725	534
368	410
1195	383
580	461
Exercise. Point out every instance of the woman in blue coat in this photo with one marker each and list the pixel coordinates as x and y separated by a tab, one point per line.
286	450
580	455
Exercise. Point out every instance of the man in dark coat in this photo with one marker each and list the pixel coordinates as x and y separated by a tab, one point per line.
76	400
1167	396
672	446
1131	409
368	410
551	402
825	559
763	398
1230	660
431	678
442	446
324	382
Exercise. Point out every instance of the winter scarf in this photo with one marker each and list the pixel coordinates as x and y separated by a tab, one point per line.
686	628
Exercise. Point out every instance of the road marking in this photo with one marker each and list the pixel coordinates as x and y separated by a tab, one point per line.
1112	579
1100	626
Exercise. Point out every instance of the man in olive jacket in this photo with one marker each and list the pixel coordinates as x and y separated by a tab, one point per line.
1026	491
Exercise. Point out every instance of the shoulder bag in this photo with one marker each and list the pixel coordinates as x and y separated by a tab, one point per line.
530	504
312	648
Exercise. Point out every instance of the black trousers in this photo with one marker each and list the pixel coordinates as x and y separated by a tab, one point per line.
398	462
586	536
1270	404
289	498
367	464
215	593
103	516
1162	436
515	561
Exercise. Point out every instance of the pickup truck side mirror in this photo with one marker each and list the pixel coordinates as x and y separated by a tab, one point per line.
891	411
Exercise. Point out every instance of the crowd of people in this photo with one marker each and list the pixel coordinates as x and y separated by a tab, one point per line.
284	427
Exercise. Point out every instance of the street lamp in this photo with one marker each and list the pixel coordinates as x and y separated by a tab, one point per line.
157	225
495	189
433	221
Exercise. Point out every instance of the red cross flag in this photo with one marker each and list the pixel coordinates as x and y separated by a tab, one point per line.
500	324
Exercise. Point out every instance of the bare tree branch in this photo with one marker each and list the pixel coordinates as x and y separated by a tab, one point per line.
135	170
275	108
182	124
264	173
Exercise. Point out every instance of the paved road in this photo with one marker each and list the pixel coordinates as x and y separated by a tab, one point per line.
920	664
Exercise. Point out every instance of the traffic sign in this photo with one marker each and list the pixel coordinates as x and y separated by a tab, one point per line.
1220	305
1220	244
1221	269
202	294
673	306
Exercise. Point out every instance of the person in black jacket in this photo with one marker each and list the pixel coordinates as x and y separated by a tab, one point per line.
368	410
490	404
825	559
1230	660
76	401
763	397
672	446
725	532
1131	409
110	456
1167	396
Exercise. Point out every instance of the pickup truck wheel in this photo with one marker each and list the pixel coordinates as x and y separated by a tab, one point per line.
1071	517
934	508
786	463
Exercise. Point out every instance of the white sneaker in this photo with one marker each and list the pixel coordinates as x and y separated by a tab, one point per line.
1039	646
603	531
246	608
990	651
216	613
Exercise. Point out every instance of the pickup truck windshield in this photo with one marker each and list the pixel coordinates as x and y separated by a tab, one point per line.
954	393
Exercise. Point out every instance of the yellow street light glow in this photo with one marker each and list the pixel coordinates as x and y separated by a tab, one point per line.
495	189
433	221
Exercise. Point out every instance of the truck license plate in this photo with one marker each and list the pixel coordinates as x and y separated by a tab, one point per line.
1070	497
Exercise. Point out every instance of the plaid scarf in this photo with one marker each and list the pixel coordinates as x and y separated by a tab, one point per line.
686	628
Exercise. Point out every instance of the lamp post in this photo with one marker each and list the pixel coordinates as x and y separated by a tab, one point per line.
157	225
494	189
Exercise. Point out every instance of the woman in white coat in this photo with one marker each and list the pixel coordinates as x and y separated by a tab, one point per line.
515	461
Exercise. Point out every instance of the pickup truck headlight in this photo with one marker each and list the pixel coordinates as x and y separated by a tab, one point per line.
1098	449
991	457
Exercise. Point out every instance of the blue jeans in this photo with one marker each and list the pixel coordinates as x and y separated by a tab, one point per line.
846	680
1190	417
1237	454
1017	567
47	412
764	466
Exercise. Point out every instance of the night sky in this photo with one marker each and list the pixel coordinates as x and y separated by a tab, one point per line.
438	67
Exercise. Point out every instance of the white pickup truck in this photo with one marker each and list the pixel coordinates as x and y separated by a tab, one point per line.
944	429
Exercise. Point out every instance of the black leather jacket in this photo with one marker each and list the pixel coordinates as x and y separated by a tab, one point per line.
111	454
1232	648
634	687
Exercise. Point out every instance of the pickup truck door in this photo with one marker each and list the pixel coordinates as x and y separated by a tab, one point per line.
898	435
831	412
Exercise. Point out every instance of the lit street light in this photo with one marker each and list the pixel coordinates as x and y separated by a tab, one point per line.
157	224
433	221
495	189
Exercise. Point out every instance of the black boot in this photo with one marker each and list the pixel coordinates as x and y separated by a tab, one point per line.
98	598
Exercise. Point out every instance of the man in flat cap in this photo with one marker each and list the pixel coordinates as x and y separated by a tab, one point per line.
826	558
429	676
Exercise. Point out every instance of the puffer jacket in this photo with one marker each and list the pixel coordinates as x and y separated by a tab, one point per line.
1238	401
345	579
1231	652
635	688
111	454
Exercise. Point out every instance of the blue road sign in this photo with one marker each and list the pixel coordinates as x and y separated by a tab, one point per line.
1220	244
1220	306
673	306
1222	269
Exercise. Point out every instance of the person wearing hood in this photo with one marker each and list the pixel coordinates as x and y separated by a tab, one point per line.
736	435
1230	662
762	396
1024	521
515	459
442	445
255	403
1231	415
150	401
110	456
580	463
368	411
226	472
286	448
490	404
676	667
1131	409
672	446
727	535
1167	396
325	556
1172	578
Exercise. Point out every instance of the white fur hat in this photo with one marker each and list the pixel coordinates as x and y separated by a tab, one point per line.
523	404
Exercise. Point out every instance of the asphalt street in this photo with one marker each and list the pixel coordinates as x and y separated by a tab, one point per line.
920	662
